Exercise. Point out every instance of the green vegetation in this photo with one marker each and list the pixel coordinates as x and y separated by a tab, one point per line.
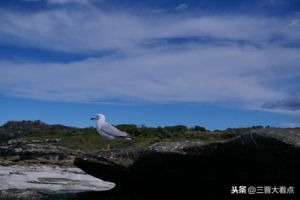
87	139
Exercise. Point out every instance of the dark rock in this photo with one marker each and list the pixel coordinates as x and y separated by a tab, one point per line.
15	158
52	140
175	170
39	152
20	194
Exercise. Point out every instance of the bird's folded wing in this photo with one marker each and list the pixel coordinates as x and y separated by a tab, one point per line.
113	131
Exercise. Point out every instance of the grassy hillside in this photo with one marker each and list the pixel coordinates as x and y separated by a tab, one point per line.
87	139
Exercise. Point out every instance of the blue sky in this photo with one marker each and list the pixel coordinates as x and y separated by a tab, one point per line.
216	64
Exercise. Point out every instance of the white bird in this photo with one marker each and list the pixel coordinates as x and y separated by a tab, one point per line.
108	131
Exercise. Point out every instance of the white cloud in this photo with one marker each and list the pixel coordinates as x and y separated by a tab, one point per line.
86	2
181	7
71	30
165	72
295	22
30	0
198	74
92	30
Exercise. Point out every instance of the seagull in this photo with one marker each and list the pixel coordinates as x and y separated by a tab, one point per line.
108	131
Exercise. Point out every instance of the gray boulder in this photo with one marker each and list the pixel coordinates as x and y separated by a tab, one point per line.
176	170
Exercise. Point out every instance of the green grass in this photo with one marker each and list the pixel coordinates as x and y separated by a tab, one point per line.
89	140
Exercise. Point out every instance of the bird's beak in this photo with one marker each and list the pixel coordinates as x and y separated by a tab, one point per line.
93	118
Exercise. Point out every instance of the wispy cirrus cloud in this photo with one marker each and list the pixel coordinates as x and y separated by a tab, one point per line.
155	58
197	74
94	29
182	7
85	2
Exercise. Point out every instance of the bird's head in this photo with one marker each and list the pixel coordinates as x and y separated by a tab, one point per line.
99	117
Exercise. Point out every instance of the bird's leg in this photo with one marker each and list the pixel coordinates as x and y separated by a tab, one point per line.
106	146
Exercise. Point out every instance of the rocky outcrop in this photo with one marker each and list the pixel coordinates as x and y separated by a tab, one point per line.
23	152
39	182
176	170
37	169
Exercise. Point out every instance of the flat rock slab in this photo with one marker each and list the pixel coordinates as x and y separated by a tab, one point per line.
19	181
256	158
